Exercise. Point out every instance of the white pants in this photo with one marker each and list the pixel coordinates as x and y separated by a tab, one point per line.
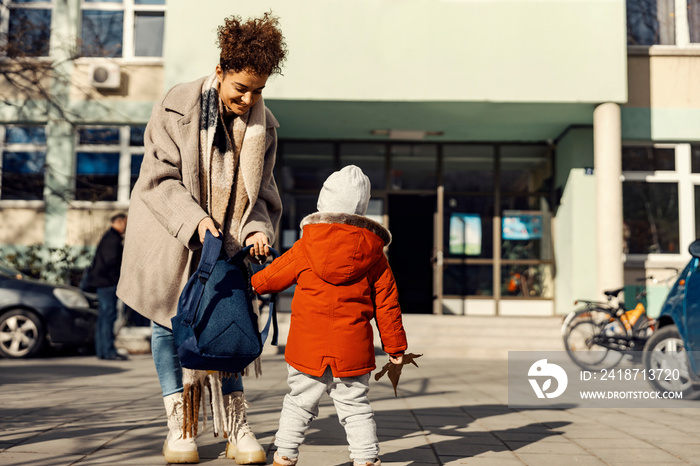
355	414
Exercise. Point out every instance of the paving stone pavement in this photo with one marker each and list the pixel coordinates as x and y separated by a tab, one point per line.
83	411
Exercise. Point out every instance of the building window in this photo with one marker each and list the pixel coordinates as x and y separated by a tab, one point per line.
695	158
122	28
468	280
648	159
527	281
23	158
136	153
663	22
28	29
694	21
413	166
468	168
306	165
108	160
468	226
696	192
660	198
475	177
650	212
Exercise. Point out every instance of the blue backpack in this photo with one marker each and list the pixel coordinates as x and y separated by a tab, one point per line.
215	327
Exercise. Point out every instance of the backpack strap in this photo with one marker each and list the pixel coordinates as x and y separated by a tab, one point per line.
272	314
211	249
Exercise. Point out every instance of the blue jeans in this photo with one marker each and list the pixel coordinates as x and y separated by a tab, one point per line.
104	331
168	364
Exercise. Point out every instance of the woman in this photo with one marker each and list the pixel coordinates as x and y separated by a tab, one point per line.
210	150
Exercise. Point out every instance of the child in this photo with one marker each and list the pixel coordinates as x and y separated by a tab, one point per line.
343	281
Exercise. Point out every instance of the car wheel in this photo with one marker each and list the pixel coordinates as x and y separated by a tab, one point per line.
22	334
666	361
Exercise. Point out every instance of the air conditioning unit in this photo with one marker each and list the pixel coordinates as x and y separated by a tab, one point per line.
105	75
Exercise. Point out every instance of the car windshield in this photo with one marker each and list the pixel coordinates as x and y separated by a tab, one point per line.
7	271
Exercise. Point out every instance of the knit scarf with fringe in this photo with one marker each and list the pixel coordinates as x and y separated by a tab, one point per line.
221	149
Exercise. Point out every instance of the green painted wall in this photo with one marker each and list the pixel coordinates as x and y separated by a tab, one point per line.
575	228
457	121
675	124
92	112
661	124
423	50
636	124
121	112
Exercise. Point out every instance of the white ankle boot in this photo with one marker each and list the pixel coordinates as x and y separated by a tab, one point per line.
177	449
242	444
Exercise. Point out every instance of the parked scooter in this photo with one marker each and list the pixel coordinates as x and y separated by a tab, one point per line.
672	354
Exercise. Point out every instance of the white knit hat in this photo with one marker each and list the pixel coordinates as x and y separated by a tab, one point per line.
345	191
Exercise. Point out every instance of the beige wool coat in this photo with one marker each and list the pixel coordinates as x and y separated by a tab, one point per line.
166	208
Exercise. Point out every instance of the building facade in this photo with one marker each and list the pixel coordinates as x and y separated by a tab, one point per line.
523	154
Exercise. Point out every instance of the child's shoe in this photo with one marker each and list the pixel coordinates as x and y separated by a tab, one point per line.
376	462
284	461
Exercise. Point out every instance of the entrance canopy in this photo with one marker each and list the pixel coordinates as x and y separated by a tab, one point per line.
429	121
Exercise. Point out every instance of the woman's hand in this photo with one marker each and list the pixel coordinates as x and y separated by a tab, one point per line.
260	243
206	224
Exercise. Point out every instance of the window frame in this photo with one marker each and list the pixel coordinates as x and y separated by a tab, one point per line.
130	10
681	33
5	9
128	7
686	181
683	26
125	150
20	203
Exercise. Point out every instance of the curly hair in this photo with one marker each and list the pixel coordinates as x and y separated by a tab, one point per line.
257	45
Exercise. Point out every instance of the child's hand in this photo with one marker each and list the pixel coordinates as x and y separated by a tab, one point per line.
394	367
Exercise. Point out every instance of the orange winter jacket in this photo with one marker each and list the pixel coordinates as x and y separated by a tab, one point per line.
343	281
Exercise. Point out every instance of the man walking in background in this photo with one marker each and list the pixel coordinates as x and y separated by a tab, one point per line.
104	277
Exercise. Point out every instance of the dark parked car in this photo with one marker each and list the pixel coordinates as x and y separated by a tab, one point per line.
34	313
673	351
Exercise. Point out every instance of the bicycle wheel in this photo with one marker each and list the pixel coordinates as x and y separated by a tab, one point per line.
579	344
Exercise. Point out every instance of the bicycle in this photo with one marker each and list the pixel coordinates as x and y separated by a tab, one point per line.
597	335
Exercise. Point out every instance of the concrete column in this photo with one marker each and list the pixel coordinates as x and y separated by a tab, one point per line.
58	189
58	181
607	160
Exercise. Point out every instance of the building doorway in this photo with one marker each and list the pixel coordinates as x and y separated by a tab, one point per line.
410	253
451	208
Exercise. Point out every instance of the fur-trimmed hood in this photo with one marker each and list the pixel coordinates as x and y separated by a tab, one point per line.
349	219
342	247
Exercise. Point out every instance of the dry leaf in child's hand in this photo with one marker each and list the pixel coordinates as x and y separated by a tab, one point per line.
394	370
